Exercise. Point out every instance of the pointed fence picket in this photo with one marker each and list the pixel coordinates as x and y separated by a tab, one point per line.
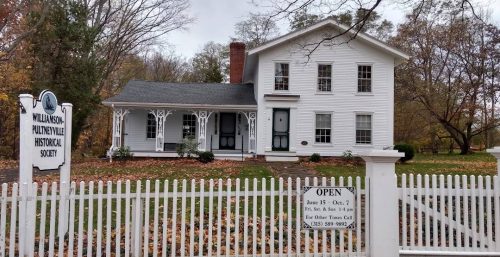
179	218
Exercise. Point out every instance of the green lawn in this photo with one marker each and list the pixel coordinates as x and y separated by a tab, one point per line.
446	164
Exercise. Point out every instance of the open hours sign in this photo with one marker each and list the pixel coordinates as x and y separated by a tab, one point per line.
329	207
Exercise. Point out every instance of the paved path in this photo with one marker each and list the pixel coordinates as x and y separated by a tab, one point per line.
12	175
291	169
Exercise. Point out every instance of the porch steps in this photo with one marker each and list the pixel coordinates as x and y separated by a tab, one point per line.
232	157
281	157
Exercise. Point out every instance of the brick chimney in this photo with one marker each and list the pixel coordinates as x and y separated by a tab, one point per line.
236	62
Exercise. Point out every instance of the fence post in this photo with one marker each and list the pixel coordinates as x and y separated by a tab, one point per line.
495	151
26	205
383	205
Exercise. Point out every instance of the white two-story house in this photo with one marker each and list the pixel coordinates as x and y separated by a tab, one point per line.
283	101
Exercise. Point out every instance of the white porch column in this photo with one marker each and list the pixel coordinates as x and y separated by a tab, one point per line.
495	151
160	116
202	117
252	131
118	115
383	204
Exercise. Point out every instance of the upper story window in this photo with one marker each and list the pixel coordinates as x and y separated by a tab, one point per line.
364	78
281	73
325	78
188	125
363	129
323	132
151	126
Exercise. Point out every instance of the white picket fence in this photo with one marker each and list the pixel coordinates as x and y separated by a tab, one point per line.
175	218
452	214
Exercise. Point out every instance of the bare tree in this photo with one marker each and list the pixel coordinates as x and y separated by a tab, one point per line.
125	27
448	69
282	9
255	30
169	68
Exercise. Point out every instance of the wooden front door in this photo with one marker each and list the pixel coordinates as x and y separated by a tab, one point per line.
227	138
281	126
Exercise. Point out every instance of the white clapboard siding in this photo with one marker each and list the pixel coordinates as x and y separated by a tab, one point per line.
453	214
343	102
231	218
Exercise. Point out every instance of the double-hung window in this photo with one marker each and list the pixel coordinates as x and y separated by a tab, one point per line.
323	130
364	78
188	125
151	126
363	129
325	78
281	76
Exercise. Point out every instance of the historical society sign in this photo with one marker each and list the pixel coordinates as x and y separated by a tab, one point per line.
48	132
329	207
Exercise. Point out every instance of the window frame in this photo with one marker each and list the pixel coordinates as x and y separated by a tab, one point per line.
318	78
315	128
194	120
274	76
151	127
356	114
358	65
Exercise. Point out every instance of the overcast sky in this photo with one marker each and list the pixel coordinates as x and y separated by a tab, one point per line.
215	21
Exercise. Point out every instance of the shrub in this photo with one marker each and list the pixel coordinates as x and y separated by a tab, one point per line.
315	157
122	153
188	146
206	157
408	149
347	155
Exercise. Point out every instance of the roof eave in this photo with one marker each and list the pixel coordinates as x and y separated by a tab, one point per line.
392	50
181	106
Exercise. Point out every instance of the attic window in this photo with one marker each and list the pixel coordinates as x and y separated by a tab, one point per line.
281	72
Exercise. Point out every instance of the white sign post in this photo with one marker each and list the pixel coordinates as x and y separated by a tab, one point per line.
329	207
45	143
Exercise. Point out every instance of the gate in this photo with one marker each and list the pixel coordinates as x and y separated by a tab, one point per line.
452	214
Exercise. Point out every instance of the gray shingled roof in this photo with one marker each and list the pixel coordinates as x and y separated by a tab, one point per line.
184	93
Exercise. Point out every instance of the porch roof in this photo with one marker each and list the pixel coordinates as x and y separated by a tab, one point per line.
148	94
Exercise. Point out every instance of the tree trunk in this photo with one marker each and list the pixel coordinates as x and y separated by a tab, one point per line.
465	146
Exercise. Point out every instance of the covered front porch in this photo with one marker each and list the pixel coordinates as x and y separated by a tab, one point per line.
230	133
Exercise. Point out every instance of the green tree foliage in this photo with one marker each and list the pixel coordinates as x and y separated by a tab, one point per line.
63	61
81	45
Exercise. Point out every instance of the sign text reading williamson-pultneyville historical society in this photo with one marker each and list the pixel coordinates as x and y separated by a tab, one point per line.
48	132
329	207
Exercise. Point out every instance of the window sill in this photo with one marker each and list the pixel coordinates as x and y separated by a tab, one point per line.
364	94
323	144
324	93
363	145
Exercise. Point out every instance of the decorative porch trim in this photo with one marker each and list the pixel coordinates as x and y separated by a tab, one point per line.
118	116
252	130
202	117
160	116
